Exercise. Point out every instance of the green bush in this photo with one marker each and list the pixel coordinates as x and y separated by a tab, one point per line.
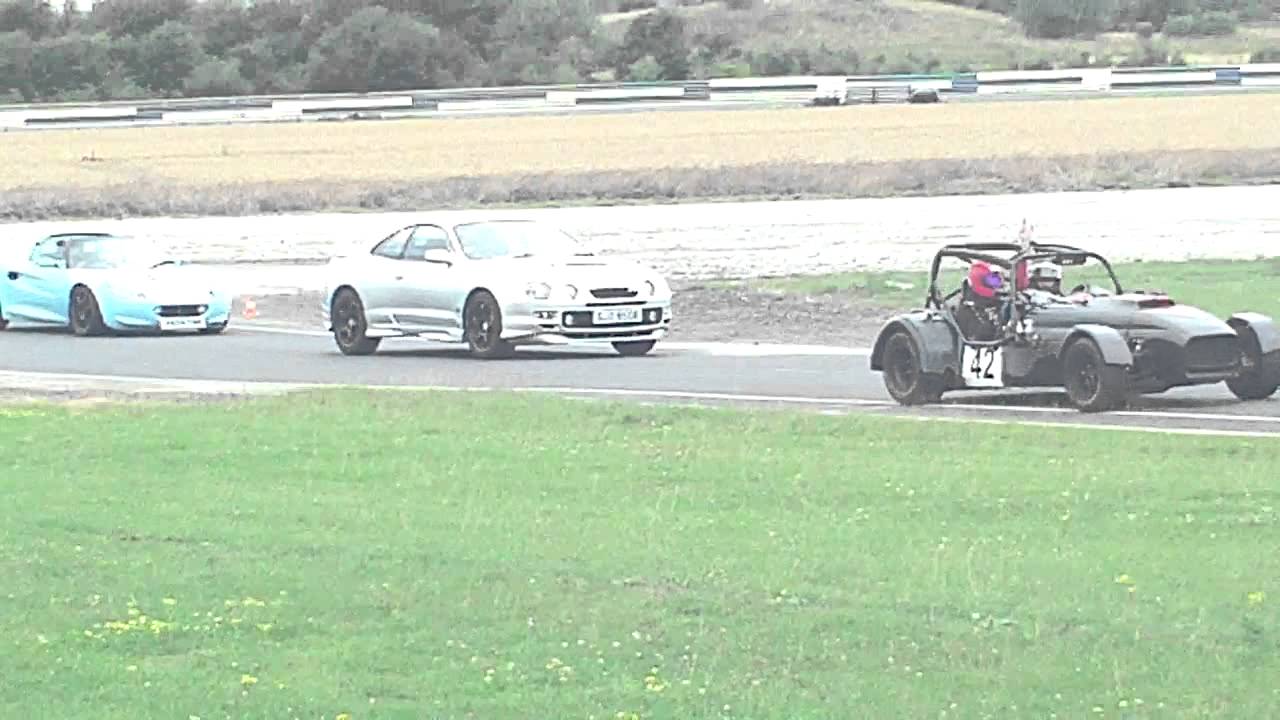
1213	22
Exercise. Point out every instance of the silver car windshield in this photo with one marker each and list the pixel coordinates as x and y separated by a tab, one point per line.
109	252
514	238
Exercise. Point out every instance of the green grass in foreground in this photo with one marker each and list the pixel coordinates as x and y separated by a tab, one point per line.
1218	286
435	555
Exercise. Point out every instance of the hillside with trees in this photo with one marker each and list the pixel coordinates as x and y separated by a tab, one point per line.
128	49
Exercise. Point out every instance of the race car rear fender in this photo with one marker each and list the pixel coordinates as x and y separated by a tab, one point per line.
1115	351
1258	331
936	339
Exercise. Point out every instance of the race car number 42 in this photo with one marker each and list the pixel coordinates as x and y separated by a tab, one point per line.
613	316
982	366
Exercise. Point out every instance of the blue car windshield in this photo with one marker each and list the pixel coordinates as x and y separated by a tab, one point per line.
514	238
101	253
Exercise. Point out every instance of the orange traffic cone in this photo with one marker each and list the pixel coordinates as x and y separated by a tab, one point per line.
250	309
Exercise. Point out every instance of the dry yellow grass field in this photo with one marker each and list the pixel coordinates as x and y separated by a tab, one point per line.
422	150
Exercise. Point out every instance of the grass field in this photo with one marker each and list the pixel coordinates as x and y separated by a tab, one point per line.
875	150
1218	286
421	555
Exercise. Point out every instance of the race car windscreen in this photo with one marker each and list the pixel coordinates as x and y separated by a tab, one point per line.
1084	271
100	253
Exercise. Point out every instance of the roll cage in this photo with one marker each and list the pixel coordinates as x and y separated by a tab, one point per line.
1007	256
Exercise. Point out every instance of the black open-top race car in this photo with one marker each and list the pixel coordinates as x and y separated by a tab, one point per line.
1002	328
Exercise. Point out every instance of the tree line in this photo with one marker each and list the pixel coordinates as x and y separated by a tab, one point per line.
125	49
130	49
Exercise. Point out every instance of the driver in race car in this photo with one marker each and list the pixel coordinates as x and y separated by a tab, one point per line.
991	302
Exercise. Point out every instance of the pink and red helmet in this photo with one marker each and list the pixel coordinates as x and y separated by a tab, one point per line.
984	279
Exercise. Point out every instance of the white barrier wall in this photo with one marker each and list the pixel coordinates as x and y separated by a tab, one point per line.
802	89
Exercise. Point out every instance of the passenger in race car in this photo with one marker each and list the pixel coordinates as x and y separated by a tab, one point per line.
1042	284
1045	277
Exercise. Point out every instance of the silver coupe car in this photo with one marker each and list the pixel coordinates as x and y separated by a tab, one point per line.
493	284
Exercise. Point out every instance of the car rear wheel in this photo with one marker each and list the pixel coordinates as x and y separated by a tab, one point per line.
1260	377
1091	384
3	323
86	316
634	348
349	325
904	376
482	323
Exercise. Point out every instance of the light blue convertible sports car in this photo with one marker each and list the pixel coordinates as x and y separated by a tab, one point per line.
96	283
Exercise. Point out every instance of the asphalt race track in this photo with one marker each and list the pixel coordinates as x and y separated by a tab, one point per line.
833	380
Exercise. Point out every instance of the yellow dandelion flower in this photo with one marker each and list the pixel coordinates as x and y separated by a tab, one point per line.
343	716
1256	597
169	601
248	680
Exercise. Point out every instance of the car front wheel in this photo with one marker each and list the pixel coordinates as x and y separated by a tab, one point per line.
1259	379
635	348
1091	384
86	317
482	323
349	325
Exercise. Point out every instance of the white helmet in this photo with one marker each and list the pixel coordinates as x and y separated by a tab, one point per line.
1046	270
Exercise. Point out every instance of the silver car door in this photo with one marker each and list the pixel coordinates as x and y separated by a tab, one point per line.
377	278
428	279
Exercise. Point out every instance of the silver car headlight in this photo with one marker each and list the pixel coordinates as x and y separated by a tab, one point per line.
571	291
538	291
652	289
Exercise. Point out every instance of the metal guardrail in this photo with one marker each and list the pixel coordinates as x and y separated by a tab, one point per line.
725	92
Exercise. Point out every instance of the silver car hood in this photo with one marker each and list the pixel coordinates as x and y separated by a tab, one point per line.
583	271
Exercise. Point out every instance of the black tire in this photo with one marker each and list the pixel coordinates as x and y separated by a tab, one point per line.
213	329
1260	378
634	348
482	327
86	316
1091	384
3	323
350	324
904	377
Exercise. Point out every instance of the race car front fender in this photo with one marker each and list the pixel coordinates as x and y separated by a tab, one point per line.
1115	351
1258	331
937	340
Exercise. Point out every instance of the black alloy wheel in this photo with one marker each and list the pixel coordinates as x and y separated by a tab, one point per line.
482	324
349	325
86	317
